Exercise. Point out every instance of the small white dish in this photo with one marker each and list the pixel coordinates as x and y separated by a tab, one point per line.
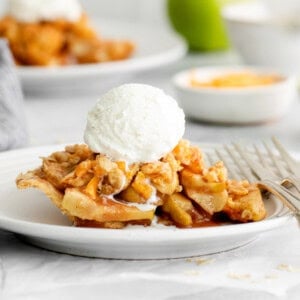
234	105
32	216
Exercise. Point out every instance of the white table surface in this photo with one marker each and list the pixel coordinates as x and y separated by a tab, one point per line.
268	268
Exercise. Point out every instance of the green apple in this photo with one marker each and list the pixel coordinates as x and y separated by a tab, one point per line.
200	23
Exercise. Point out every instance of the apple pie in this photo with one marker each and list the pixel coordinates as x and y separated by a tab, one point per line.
178	190
60	42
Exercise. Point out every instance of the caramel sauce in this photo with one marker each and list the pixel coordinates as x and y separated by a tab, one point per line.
208	223
199	220
235	80
111	225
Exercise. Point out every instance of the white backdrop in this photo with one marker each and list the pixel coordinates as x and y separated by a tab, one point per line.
137	10
150	11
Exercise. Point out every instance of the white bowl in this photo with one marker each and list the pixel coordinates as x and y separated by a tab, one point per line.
243	105
260	38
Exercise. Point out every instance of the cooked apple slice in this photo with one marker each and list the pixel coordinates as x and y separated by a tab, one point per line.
246	208
179	207
103	209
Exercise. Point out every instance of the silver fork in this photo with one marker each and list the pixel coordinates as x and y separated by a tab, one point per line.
269	181
284	166
245	167
293	174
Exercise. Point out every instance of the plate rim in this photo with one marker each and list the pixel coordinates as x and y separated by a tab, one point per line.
96	235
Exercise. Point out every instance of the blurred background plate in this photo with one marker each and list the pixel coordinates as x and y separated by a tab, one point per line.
155	47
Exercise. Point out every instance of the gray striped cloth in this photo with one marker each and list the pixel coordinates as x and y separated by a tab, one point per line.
12	121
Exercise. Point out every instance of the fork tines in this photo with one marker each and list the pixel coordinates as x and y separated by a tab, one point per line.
261	165
293	165
235	163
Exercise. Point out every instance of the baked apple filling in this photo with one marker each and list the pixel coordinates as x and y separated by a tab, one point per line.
179	189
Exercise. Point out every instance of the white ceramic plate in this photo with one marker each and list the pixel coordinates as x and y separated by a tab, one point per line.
34	218
155	47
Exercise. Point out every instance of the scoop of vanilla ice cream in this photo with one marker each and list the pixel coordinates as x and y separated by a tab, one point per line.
134	123
44	10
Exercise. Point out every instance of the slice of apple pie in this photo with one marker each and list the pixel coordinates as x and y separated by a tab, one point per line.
95	191
61	42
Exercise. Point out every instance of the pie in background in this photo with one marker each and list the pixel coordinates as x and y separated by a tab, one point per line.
54	40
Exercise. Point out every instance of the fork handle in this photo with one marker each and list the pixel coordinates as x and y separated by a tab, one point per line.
294	181
290	199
